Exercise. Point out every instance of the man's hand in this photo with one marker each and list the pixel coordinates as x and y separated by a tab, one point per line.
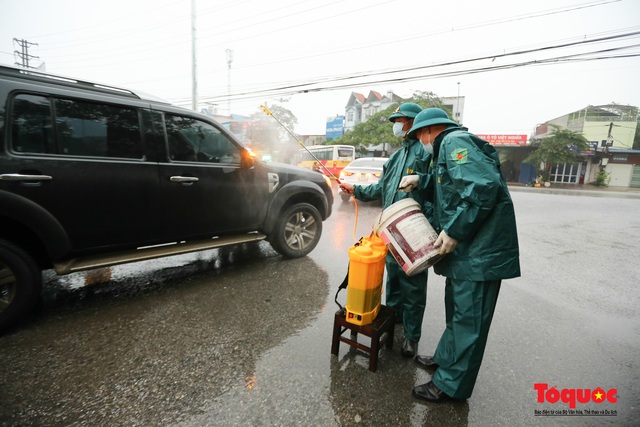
346	187
447	244
408	183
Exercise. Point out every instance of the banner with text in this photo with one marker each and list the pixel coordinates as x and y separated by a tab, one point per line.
505	140
334	128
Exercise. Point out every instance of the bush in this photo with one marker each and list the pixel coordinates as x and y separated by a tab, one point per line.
602	178
544	175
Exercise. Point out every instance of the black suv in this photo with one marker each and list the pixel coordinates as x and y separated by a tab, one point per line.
92	176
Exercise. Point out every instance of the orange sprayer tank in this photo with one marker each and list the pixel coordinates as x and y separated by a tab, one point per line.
364	289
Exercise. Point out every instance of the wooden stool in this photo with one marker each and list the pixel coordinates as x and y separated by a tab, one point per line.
380	331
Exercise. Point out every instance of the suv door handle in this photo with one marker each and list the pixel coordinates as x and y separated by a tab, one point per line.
22	177
183	179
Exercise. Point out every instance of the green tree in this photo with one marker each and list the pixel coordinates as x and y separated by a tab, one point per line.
427	99
269	137
378	130
562	146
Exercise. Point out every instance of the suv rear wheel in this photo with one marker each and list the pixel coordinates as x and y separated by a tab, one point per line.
20	283
297	231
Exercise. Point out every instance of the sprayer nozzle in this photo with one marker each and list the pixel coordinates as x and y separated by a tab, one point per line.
265	109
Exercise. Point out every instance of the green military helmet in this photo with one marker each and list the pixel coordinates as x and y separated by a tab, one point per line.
430	117
408	109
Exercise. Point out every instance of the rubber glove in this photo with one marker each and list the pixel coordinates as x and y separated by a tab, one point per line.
447	244
408	183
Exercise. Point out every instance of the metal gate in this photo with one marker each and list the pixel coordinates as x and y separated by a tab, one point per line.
635	177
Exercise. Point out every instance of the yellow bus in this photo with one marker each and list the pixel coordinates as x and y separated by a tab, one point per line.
333	157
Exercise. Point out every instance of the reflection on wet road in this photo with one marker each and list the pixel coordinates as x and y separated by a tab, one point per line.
242	337
150	351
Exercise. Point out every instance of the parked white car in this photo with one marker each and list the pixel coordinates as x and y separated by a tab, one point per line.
363	171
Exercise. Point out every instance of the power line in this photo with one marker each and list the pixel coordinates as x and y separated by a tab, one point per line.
287	91
284	92
309	86
139	48
413	38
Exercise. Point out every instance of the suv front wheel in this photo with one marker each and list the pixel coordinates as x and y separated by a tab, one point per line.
297	231
20	283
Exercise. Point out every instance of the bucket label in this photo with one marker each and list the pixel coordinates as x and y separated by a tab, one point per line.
394	252
412	228
411	239
413	233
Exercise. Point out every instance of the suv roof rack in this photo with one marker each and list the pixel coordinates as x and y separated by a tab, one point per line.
9	70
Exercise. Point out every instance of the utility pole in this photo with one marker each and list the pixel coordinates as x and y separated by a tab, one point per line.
457	115
609	142
229	61
194	74
23	54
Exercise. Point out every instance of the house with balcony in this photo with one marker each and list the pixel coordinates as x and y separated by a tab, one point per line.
611	130
359	108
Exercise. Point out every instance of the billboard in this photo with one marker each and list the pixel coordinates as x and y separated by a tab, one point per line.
335	127
504	140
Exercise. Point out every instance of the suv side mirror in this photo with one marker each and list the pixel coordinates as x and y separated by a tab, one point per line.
246	160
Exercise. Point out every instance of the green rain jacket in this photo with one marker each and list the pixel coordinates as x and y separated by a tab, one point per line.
473	206
407	160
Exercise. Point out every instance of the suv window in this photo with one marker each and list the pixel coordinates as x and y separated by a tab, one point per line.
31	125
81	128
191	140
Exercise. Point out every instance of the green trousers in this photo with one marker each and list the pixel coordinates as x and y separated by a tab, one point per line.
469	308
408	295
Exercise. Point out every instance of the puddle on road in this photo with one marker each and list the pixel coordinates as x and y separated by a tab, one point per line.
146	348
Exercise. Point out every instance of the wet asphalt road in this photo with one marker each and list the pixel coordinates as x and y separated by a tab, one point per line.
242	337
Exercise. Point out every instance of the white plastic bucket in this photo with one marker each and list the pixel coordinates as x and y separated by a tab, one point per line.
408	235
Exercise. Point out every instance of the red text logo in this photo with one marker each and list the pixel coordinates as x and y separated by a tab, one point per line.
572	395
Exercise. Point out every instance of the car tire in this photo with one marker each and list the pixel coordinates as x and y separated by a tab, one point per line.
297	231
345	197
20	284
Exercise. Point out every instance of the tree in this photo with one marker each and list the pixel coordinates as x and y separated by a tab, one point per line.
268	137
378	130
562	146
427	99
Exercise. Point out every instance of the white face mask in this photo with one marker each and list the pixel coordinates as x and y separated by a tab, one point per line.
397	129
428	148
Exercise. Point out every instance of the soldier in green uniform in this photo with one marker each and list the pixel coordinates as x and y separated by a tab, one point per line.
475	218
408	295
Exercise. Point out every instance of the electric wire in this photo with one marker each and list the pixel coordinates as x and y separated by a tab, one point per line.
138	52
311	86
413	38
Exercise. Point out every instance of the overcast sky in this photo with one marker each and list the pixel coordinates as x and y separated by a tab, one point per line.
314	53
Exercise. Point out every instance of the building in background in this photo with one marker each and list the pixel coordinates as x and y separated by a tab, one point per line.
359	108
237	124
512	149
308	140
611	130
455	104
